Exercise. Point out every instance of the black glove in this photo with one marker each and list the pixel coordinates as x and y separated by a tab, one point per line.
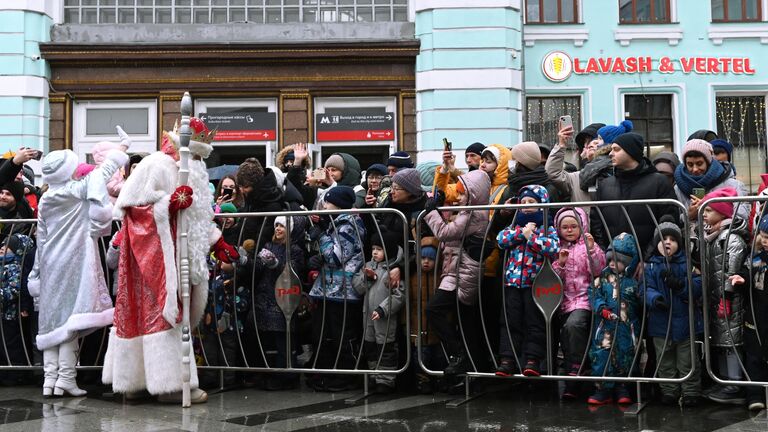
659	303
315	262
315	232
672	282
436	201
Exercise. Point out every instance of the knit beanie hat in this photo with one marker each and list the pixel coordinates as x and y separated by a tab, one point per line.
723	145
227	208
700	146
376	168
763	225
632	143
493	151
410	180
427	174
724	208
387	241
250	172
609	133
16	188
476	148
400	160
537	192
58	166
342	197
429	252
335	161
667	226
624	250
576	213
527	153
19	244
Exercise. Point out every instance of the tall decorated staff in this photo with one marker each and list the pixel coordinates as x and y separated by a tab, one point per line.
167	218
182	236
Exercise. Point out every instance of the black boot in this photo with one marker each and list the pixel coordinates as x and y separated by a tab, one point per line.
458	364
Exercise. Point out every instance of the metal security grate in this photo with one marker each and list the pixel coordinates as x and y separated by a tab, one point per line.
230	11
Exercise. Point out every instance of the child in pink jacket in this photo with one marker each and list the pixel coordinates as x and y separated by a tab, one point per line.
579	262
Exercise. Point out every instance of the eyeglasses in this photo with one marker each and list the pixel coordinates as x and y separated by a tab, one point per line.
396	188
375	177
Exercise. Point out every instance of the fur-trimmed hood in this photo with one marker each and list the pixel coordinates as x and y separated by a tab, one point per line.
306	163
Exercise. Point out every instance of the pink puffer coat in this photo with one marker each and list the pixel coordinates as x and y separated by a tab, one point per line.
459	269
578	272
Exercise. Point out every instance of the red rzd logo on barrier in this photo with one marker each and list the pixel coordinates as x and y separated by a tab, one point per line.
294	290
544	291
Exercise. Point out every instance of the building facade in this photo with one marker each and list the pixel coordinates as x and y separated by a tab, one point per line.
337	74
670	66
24	113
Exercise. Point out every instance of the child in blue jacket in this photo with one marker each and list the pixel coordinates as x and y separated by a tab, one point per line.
616	328
667	299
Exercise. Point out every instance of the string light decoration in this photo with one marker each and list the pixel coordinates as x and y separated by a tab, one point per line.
741	121
543	115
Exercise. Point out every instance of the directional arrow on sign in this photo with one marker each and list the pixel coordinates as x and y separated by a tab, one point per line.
389	117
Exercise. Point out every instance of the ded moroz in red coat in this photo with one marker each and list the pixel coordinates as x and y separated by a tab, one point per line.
144	350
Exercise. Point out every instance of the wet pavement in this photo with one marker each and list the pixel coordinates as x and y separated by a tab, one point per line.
502	408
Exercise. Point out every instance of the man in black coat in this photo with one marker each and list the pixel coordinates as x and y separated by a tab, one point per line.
635	178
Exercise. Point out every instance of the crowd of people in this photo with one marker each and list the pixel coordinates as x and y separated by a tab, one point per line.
624	269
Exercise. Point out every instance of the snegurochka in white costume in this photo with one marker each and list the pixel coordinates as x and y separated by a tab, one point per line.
68	276
145	348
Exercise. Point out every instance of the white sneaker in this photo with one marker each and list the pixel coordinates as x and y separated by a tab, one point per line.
196	396
756	406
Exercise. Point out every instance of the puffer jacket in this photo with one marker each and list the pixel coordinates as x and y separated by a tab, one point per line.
499	193
378	296
641	183
658	319
428	286
459	269
580	268
731	250
526	256
342	253
269	316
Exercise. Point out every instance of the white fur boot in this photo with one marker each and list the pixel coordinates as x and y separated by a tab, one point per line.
50	369
67	384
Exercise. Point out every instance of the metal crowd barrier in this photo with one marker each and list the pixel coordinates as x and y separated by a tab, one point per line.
229	342
548	300
737	341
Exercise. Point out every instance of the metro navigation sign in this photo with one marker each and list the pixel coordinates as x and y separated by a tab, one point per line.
355	125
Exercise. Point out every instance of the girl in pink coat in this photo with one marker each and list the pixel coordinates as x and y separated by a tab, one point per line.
579	262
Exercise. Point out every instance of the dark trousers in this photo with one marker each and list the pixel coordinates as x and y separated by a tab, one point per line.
573	334
339	336
12	352
440	310
526	326
220	350
491	305
756	360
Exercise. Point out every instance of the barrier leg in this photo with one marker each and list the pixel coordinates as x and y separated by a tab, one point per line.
638	406
357	398
468	396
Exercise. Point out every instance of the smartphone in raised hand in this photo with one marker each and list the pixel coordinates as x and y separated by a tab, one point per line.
566	121
447	145
318	174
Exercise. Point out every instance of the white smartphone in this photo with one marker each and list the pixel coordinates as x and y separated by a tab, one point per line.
566	121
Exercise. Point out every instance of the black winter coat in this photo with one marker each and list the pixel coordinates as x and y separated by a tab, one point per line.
641	183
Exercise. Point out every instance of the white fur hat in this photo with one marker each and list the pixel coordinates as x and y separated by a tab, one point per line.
58	166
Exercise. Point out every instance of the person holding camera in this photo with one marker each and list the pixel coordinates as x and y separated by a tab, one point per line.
228	192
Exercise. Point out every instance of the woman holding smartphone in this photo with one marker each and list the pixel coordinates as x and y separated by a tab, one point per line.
227	191
700	173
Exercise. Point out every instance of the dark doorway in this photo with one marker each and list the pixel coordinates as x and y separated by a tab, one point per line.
235	155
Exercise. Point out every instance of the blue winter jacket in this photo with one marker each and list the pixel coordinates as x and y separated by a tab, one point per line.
342	252
658	319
